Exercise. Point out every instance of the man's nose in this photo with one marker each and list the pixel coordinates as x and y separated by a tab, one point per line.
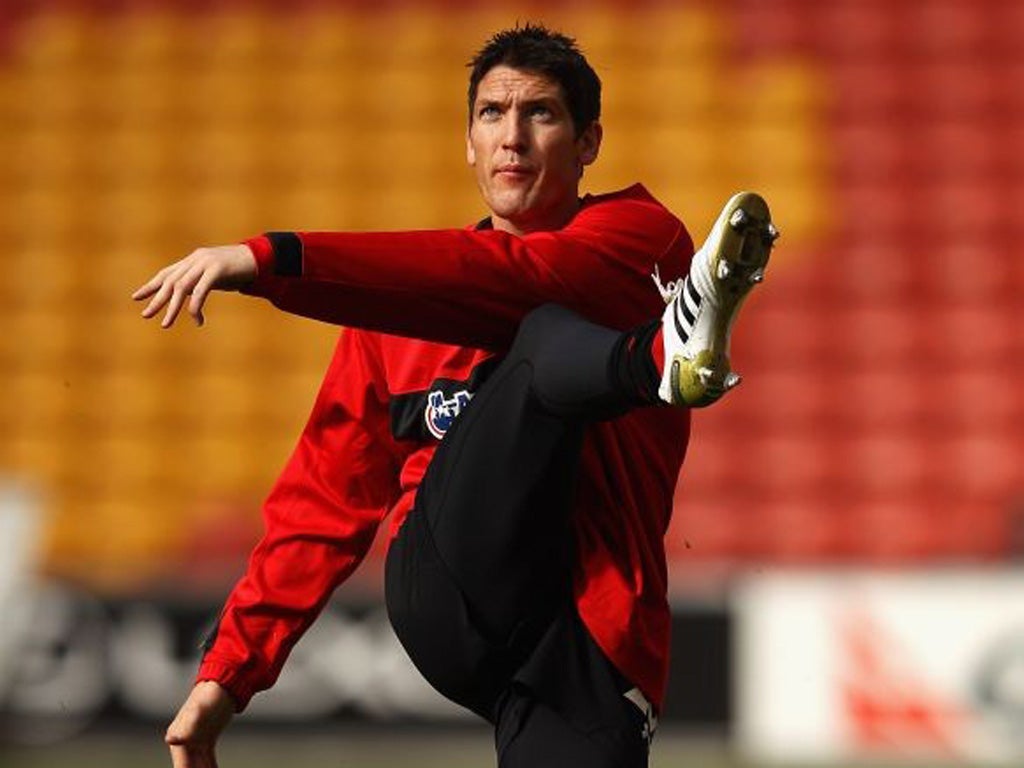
514	136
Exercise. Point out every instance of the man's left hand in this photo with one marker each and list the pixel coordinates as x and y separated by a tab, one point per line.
225	267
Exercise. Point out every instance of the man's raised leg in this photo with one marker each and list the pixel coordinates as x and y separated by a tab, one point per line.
488	545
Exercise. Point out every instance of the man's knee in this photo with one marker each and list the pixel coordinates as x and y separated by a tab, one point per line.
535	330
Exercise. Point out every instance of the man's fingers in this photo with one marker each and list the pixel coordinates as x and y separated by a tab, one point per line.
186	756
146	290
183	286
180	757
173	307
161	286
150	286
153	284
188	746
200	292
163	293
225	267
165	281
192	735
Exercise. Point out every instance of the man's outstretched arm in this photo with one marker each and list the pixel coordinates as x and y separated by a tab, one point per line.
464	287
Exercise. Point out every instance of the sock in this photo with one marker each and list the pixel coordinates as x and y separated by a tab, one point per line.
634	366
658	349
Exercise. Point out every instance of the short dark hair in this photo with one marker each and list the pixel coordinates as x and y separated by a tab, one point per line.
535	48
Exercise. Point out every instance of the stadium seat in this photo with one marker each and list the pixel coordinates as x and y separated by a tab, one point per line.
880	404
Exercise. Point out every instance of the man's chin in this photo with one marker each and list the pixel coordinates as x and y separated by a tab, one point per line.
511	205
519	216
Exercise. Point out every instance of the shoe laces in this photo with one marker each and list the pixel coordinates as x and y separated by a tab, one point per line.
669	290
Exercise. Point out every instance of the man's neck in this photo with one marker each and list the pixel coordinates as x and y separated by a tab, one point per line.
554	220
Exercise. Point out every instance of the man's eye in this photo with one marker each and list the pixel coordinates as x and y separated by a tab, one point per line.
489	112
542	113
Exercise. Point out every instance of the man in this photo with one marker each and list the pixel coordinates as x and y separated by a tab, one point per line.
491	393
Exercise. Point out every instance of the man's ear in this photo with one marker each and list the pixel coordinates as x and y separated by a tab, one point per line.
470	151
589	143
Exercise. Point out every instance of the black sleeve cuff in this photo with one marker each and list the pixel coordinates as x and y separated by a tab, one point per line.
287	253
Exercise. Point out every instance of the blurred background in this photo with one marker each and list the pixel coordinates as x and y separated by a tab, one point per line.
848	535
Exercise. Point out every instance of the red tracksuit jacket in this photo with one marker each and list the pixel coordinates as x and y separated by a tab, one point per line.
428	312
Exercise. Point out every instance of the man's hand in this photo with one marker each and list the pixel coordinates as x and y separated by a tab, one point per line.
192	736
226	267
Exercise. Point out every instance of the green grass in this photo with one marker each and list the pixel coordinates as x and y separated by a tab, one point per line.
349	747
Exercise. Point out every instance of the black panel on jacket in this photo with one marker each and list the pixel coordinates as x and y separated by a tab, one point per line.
409	418
287	253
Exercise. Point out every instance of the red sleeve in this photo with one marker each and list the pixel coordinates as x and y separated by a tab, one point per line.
320	517
472	287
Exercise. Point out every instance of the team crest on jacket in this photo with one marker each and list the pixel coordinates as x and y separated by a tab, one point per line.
441	411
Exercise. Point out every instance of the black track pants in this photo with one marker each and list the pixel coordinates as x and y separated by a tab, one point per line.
478	580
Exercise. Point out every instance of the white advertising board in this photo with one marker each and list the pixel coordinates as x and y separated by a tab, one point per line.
917	665
20	529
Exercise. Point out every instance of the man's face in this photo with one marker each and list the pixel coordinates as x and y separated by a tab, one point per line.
522	145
